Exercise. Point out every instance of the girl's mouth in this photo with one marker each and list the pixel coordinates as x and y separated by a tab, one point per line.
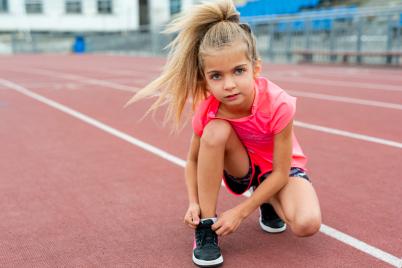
232	97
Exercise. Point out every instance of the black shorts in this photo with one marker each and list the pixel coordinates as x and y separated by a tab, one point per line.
253	178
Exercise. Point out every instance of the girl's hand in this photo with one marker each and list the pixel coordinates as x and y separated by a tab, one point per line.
228	222
192	217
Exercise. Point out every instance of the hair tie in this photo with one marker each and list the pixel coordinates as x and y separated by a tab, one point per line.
245	27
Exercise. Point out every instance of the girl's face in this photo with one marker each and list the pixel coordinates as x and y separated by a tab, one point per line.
229	76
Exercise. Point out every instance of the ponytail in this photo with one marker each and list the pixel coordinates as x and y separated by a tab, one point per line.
209	25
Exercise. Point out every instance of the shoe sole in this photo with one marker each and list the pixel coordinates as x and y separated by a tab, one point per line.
213	263
271	230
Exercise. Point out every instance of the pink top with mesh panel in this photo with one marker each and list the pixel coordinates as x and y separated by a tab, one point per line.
271	112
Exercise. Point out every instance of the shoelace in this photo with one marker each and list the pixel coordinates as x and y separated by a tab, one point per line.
205	236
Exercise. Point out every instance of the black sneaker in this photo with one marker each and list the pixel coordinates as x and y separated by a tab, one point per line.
206	252
269	220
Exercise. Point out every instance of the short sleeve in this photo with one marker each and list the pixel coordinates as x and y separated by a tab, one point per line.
197	124
200	118
283	111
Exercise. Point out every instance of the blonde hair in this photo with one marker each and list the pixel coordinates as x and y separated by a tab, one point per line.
207	26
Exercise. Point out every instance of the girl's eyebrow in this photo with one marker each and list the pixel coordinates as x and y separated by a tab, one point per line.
238	66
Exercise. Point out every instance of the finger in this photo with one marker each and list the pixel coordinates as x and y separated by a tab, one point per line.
192	226
195	218
217	232
220	231
216	225
188	219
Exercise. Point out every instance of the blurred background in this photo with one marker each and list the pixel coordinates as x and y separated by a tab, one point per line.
330	31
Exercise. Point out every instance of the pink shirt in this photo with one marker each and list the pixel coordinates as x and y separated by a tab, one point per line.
272	111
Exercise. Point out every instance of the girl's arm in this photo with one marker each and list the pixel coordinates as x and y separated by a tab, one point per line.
230	220
191	169
191	217
279	176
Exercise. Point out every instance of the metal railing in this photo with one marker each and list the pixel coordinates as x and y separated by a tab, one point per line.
360	33
365	35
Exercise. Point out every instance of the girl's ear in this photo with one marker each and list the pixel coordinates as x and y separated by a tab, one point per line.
257	68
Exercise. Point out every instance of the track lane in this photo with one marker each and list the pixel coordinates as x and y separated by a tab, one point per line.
376	122
146	131
143	68
318	155
366	119
95	209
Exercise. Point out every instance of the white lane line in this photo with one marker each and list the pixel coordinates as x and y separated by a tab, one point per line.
93	122
297	123
366	248
276	75
133	72
82	79
354	85
114	85
368	77
312	95
298	75
338	235
348	134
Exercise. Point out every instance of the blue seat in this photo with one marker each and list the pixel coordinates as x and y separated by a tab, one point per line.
79	45
270	7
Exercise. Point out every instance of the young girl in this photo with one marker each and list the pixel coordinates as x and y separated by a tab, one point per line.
243	131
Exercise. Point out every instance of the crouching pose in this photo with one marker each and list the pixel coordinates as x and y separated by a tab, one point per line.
243	131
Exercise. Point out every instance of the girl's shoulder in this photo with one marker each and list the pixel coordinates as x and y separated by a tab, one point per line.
204	111
277	105
268	89
206	105
272	99
270	93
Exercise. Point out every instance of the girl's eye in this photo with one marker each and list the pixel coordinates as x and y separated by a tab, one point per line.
215	77
239	71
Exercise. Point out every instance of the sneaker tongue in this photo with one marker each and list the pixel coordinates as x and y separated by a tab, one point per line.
205	236
209	239
207	222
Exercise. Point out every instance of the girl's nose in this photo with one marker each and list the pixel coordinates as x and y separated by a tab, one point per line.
229	83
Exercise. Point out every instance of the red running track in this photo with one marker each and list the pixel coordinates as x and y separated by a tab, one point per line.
73	195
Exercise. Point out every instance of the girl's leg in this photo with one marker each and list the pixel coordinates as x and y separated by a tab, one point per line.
219	148
297	204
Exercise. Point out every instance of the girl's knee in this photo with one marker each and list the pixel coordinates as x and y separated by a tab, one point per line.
216	133
306	225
